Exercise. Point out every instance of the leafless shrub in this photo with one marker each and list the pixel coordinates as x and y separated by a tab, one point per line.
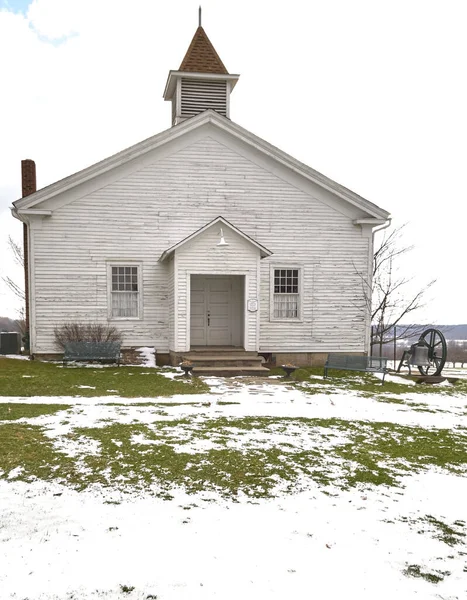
85	332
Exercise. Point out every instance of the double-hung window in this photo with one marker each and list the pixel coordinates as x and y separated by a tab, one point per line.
286	294
125	291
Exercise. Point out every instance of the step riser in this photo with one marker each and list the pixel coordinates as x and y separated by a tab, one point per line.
226	363
223	355
235	373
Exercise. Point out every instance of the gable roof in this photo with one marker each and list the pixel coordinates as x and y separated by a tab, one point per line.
201	57
24	205
263	250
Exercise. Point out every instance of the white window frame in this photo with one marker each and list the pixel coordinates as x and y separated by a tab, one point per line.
125	263
278	267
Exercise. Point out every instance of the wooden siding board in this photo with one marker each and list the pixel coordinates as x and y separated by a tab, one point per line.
139	216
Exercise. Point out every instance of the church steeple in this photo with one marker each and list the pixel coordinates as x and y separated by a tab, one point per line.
201	83
201	56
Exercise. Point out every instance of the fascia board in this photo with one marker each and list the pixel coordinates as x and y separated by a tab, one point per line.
373	222
34	211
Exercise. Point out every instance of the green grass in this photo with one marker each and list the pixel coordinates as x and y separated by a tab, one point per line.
11	412
35	378
452	535
431	577
370	454
27	447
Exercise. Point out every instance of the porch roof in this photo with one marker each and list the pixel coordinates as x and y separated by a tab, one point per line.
264	252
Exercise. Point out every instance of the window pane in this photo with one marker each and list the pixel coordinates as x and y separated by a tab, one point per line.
124	292
286	281
124	304
286	306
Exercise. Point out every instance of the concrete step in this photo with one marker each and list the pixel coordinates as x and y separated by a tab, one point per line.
231	371
217	349
224	354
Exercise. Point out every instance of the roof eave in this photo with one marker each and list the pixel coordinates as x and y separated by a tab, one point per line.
208	116
111	162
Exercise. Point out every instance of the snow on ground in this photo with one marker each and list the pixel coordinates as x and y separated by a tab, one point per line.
148	356
17	356
57	543
281	400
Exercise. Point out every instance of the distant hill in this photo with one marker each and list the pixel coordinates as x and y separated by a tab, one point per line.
7	324
451	332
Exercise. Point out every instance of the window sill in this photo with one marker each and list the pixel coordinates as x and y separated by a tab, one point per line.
291	320
124	319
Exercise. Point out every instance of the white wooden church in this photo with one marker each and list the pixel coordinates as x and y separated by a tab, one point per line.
203	237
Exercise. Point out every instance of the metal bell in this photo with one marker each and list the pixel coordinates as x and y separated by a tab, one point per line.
419	356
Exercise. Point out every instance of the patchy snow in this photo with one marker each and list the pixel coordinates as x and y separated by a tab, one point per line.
276	399
169	372
59	544
88	387
17	356
14	473
148	356
396	379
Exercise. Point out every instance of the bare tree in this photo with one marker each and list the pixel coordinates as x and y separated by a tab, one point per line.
457	352
18	290
390	300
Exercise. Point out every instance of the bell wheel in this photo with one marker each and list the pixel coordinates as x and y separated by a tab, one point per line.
435	341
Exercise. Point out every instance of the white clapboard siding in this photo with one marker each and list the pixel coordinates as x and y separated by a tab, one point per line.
138	216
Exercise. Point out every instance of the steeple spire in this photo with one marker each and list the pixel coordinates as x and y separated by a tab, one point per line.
201	56
201	83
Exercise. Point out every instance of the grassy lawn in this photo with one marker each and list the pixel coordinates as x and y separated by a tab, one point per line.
35	378
255	456
323	465
174	444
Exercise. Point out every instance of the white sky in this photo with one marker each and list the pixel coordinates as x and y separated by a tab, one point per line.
370	93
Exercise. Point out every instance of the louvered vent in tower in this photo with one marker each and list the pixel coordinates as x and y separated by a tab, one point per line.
198	95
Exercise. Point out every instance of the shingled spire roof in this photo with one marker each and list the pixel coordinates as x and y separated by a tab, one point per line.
201	56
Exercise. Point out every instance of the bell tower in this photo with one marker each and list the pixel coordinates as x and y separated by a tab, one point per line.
202	82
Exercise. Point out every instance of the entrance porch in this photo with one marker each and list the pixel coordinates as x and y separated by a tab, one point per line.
213	280
217	311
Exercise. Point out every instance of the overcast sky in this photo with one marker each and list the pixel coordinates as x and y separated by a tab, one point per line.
371	93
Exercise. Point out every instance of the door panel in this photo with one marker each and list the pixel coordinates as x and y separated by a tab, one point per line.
211	300
198	313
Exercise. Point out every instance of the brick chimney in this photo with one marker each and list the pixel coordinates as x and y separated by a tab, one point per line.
28	177
28	186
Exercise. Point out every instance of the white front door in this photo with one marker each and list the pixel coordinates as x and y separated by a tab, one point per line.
211	307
